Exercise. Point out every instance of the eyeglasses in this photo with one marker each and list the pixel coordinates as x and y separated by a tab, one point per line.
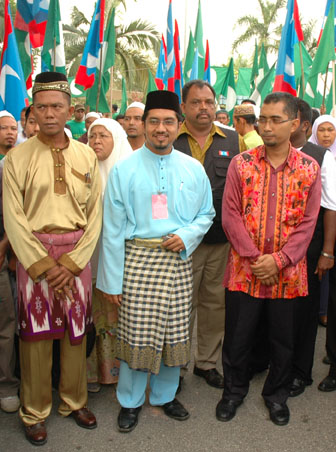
169	122
272	120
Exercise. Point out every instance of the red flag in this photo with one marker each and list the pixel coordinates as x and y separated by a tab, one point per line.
297	23
178	69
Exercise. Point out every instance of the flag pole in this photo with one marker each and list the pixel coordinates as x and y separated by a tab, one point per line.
325	88
302	70
99	78
333	83
111	87
55	54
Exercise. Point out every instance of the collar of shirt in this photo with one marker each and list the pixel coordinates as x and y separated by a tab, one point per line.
214	129
196	151
291	157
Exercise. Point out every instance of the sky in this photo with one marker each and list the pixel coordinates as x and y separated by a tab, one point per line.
219	18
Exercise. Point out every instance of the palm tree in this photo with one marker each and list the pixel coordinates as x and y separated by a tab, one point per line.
137	45
264	28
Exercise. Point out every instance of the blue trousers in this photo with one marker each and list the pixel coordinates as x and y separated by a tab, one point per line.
132	386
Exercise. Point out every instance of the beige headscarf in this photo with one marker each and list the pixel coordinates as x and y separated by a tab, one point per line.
121	148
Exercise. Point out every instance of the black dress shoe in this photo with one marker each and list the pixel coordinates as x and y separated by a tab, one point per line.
128	419
178	390
211	376
328	384
226	409
279	412
297	387
175	410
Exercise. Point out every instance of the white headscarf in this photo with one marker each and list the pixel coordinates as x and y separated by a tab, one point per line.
121	147
320	120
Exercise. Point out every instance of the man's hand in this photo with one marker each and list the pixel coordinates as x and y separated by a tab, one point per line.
62	281
175	244
265	269
113	299
323	265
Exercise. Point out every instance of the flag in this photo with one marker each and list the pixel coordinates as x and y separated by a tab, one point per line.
109	43
178	80
123	106
264	87
325	53
285	76
307	64
107	61
52	56
206	75
161	68
170	70
219	76
263	67
151	85
25	53
188	62
13	93
328	5
194	69
87	69
199	41
229	89
243	82
31	16
255	67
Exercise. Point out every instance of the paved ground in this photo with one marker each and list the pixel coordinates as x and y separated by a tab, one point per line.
311	428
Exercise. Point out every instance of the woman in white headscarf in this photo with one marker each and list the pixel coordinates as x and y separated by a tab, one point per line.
324	133
109	141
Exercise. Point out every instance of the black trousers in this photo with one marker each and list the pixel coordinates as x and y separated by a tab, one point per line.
306	320
241	321
331	325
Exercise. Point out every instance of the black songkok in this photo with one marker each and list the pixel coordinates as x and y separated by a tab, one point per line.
163	99
51	81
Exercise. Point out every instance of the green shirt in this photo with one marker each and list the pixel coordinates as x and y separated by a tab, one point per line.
77	128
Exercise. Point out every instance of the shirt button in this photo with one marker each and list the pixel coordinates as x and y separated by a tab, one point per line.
271	217
273	194
268	240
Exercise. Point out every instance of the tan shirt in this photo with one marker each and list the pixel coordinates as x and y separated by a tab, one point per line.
50	190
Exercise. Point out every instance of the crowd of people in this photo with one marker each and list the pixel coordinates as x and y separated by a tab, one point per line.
120	237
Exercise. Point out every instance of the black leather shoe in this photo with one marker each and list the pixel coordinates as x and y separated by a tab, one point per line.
178	390
128	419
226	409
279	412
297	387
176	410
211	376
328	384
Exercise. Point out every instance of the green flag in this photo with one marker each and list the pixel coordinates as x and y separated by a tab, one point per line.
108	59
151	85
188	63
229	89
263	67
76	90
243	83
264	87
325	53
199	42
220	77
255	67
52	56
307	63
109	43
24	48
123	106
91	93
